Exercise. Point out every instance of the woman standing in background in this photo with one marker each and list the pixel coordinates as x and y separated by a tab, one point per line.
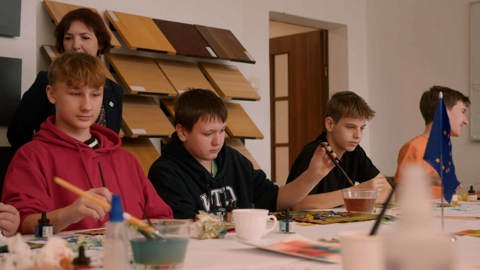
81	30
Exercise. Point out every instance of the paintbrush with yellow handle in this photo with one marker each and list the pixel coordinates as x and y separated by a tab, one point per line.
147	230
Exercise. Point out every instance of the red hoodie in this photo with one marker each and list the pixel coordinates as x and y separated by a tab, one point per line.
29	182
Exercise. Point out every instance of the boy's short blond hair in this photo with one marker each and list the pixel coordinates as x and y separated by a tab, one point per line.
77	70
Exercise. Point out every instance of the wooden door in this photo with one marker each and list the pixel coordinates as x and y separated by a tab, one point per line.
298	95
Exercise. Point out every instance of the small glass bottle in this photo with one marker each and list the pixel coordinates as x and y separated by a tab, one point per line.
286	223
116	243
472	195
43	229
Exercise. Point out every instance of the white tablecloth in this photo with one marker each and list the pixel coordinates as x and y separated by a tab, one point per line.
229	253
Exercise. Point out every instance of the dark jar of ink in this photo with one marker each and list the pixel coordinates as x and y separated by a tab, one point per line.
43	229
286	223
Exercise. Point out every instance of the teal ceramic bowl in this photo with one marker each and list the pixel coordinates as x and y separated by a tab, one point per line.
167	253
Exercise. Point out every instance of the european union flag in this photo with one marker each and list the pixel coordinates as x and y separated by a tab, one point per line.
439	151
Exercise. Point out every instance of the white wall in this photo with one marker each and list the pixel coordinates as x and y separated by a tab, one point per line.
23	47
247	19
413	45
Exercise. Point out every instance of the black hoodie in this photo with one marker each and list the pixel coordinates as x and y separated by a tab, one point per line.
188	187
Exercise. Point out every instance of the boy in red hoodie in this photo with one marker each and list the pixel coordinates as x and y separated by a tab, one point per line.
70	145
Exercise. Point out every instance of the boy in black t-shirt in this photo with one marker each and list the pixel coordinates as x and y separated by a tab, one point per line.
345	119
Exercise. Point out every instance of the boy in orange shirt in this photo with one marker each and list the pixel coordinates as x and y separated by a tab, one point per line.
413	151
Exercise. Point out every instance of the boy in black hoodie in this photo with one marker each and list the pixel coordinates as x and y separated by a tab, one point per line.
197	171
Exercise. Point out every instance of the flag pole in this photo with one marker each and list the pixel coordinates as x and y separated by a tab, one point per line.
442	206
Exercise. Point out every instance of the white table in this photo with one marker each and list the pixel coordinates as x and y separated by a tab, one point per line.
229	253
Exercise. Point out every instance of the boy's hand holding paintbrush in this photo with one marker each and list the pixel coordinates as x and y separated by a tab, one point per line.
333	157
92	198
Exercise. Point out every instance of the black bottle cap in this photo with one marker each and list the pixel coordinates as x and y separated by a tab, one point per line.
82	259
44	220
471	190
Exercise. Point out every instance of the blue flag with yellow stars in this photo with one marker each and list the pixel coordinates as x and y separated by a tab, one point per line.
439	151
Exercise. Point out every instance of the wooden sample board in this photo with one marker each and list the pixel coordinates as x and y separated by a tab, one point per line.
240	147
225	44
56	11
139	32
185	38
184	75
140	75
143	150
52	53
142	117
229	82
169	105
239	124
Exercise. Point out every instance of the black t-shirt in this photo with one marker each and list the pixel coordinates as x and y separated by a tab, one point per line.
356	163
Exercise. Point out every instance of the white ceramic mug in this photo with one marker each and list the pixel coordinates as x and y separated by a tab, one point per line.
251	224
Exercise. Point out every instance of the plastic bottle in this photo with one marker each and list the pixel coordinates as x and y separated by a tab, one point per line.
416	242
116	244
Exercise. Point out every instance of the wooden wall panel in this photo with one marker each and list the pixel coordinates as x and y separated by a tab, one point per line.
140	75
225	44
239	124
240	147
56	11
142	117
185	38
184	75
139	32
229	82
143	150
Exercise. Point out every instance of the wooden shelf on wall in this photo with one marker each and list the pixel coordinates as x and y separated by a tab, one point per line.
239	124
152	34
139	32
185	38
225	44
140	75
229	82
52	53
240	147
143	150
142	117
184	75
56	11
